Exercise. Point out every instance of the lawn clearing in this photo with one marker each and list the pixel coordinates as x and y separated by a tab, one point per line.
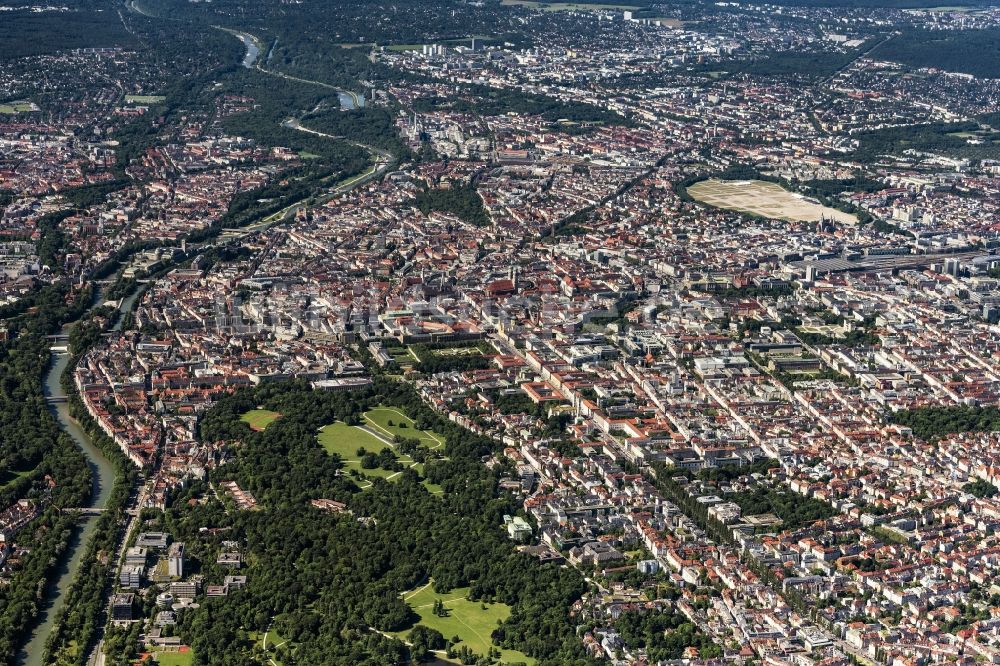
18	107
259	419
345	440
9	476
763	198
379	418
269	641
471	621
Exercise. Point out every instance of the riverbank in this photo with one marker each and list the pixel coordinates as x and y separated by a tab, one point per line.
103	480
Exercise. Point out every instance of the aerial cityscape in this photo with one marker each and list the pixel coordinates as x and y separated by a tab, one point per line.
486	332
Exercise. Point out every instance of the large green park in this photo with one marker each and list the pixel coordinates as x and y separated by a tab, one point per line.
330	585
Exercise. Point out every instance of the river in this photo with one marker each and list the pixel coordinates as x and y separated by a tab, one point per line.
104	477
103	472
253	51
350	101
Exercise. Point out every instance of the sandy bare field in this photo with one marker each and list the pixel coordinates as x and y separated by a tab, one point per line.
763	198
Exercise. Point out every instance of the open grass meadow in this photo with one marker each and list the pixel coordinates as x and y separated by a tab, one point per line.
345	440
18	107
269	641
9	476
259	419
471	621
391	422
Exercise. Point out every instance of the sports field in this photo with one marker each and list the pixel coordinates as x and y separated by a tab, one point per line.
18	107
759	197
471	621
259	419
171	658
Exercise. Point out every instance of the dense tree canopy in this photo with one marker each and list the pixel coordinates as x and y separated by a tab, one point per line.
329	581
936	422
664	634
462	201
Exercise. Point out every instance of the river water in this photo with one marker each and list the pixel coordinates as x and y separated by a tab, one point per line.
104	477
253	51
350	101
